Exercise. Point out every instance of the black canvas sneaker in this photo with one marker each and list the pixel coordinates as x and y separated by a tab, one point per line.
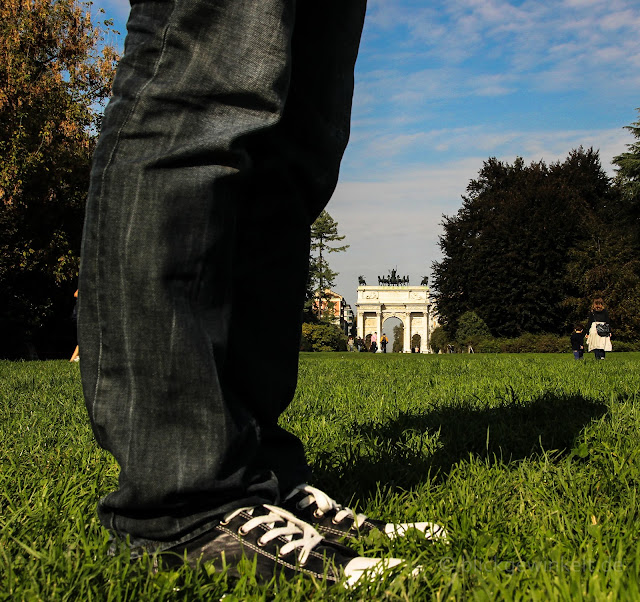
337	523
277	541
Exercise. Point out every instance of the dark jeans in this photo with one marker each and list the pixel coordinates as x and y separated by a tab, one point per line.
599	354
219	148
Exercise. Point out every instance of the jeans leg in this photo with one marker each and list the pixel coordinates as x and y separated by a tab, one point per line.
293	182
197	81
205	159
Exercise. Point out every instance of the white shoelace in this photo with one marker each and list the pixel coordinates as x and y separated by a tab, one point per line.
326	504
297	533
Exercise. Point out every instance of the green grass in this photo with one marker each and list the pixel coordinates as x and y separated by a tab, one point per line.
531	462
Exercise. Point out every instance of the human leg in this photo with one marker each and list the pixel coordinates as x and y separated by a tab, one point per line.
313	135
292	183
166	216
170	176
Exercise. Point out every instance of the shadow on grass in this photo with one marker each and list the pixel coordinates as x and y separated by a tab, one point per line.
405	450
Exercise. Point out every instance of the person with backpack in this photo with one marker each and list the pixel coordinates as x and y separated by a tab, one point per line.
598	329
383	342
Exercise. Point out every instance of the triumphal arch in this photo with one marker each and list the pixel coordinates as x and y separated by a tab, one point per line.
394	297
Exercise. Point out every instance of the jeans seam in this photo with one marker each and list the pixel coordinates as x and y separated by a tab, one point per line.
116	144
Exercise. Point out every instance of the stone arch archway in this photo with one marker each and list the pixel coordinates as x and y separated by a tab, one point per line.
389	323
410	304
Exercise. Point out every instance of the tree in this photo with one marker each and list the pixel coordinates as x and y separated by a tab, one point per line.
507	249
56	74
322	337
607	264
628	177
439	340
324	232
606	261
398	338
471	327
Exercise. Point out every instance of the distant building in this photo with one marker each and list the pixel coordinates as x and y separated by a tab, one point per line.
349	317
338	309
411	304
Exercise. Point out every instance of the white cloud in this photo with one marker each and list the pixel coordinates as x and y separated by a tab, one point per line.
569	36
391	217
583	3
620	20
384	154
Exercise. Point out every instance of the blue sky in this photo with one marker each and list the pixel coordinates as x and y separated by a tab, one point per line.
443	85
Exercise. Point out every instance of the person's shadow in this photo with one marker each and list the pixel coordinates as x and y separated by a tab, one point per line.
412	448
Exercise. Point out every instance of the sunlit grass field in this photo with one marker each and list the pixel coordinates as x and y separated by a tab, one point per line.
531	462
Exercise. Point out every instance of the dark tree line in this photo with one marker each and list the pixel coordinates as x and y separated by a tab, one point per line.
532	244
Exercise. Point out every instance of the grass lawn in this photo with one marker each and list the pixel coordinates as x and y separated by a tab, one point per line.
532	462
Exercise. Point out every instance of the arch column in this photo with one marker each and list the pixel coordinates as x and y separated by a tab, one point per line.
379	323
360	324
425	334
407	333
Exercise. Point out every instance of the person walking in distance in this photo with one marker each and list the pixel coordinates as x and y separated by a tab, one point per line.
383	342
374	343
577	342
598	329
350	344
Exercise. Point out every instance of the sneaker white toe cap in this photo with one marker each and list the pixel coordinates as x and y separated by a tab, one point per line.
430	530
370	567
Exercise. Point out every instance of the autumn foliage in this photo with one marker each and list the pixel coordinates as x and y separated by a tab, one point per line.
55	76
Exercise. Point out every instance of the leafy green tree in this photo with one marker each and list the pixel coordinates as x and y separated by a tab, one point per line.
56	73
606	261
607	265
398	338
620	253
439	340
324	235
628	177
506	251
471	327
323	337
